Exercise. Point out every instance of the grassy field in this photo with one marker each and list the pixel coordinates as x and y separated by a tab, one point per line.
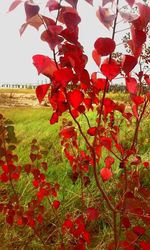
30	123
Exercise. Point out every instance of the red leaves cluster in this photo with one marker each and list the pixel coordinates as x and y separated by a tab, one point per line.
76	227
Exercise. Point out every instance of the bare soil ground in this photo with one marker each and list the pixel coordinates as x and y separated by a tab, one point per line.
18	100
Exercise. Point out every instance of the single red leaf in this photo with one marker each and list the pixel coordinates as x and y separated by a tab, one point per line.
71	20
100	84
138	100
110	70
147	79
56	204
126	222
104	46
73	3
104	2
135	111
92	213
130	2
96	57
106	174
89	1
91	131
35	183
34	21
31	9
39	218
128	63
70	35
86	237
139	230
106	142
144	14
138	38
53	5
33	157
105	17
109	160
10	219
14	4
41	91
145	245
75	98
131	85
88	103
51	36
63	76
44	65
68	132
54	118
4	177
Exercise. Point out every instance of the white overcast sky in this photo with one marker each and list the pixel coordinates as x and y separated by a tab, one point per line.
16	52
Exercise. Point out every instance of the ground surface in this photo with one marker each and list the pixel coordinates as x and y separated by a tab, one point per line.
18	99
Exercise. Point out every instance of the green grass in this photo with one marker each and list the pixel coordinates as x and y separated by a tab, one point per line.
33	123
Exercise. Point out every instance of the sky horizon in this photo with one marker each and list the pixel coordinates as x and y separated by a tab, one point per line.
16	52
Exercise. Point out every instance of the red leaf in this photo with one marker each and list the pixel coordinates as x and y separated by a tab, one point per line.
138	100
145	245
70	35
31	9
110	70
40	218
14	4
89	1
104	46
106	174
92	213
96	57
135	111
106	142
130	2
131	85
34	21
126	223
88	103
68	132
56	204
128	63
73	3
105	17
100	84
63	76
109	160
52	36
75	97
139	230
4	177
147	79
35	183
41	91
86	237
44	65
92	131
10	219
54	118
144	14
53	5
138	38
71	20
104	2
